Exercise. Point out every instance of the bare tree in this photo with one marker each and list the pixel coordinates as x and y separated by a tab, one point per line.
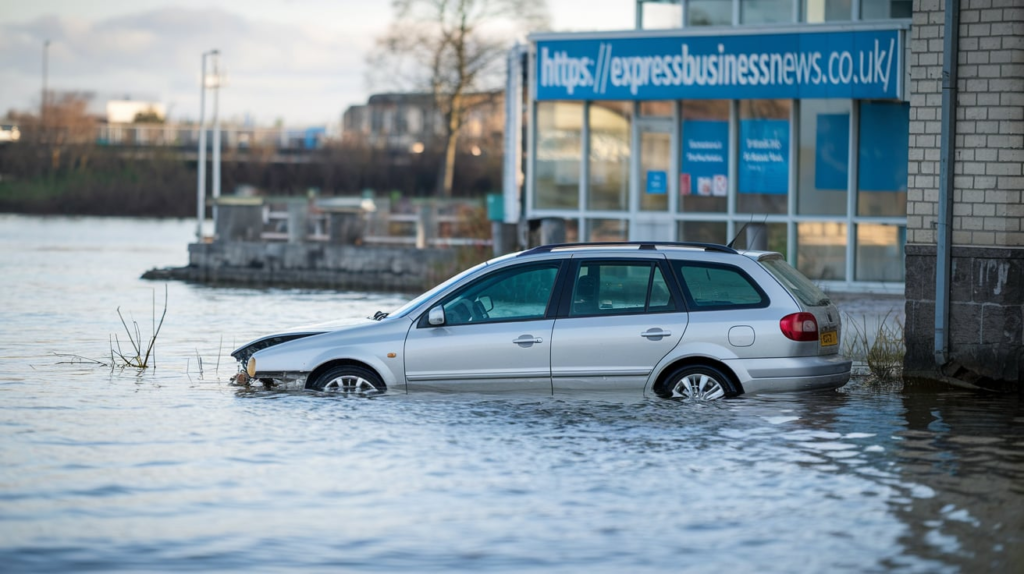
451	49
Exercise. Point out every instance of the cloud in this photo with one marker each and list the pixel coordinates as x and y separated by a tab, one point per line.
305	73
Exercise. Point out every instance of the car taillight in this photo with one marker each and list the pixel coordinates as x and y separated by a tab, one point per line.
800	327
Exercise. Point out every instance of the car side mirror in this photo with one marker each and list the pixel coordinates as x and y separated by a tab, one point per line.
485	300
436	316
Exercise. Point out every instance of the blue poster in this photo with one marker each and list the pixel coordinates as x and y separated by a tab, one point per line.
657	182
861	64
884	141
764	156
705	161
832	152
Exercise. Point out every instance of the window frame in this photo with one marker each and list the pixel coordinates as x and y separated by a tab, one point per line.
554	297
572	274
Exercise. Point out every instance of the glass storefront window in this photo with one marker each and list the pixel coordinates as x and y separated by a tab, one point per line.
824	157
655	164
884	138
559	129
885	9
766	11
704	172
607	230
609	155
816	11
763	156
709	13
703	231
821	250
880	252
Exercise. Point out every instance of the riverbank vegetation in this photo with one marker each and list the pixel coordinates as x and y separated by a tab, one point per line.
61	166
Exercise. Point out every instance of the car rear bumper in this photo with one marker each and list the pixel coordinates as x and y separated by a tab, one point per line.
791	373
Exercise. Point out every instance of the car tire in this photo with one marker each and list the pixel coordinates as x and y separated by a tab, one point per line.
347	378
698	382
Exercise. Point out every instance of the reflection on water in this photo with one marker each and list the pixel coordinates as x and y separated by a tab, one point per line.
173	469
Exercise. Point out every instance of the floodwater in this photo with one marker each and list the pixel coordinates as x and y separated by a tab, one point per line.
173	469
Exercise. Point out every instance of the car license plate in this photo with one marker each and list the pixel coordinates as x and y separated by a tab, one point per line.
829	338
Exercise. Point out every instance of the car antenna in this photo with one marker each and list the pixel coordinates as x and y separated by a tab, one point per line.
737	236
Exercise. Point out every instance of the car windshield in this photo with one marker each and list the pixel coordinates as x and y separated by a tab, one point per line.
796	282
408	307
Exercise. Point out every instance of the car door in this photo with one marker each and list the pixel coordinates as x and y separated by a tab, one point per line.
622	318
496	334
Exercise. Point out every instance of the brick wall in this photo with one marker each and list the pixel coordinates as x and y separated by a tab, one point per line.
986	339
988	179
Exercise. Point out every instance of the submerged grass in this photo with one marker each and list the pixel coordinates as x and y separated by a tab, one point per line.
141	352
881	349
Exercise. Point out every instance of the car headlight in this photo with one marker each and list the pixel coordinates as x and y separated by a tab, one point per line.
250	367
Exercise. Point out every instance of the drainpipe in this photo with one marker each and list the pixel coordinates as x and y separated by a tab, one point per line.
944	239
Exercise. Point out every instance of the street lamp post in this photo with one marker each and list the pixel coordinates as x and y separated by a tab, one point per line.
216	137
42	99
201	166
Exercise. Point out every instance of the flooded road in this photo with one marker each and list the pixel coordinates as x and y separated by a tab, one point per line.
173	469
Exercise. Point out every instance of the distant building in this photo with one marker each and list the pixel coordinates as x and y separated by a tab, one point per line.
125	111
409	122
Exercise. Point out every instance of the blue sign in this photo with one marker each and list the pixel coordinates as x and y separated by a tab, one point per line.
705	161
884	141
764	156
832	152
657	182
863	64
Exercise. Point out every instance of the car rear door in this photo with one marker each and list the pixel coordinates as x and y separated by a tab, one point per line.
619	318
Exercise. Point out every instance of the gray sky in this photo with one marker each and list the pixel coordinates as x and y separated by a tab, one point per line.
299	60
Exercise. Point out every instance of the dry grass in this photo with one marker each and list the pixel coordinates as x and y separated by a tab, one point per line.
882	350
141	352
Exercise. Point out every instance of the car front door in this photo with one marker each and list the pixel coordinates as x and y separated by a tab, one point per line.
495	335
621	320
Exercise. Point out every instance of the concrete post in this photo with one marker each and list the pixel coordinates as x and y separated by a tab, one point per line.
503	237
757	236
298	215
425	228
552	230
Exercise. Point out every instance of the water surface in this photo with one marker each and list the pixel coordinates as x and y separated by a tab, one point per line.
173	469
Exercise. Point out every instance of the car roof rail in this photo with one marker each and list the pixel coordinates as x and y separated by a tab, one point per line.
641	245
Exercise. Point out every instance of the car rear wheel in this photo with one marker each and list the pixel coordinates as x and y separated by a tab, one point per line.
349	378
698	382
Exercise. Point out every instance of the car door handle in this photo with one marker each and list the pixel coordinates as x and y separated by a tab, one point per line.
527	340
652	333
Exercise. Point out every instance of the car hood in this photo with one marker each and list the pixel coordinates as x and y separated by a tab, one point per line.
245	351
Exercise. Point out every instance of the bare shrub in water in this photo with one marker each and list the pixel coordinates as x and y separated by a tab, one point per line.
142	352
882	351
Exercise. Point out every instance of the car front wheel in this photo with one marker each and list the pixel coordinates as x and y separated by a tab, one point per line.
346	378
698	382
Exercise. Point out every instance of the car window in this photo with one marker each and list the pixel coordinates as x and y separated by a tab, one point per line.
519	293
795	282
709	286
602	288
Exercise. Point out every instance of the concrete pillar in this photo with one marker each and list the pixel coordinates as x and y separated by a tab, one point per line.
298	215
426	229
552	230
757	236
503	237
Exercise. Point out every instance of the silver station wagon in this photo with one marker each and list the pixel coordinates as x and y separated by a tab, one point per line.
690	320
